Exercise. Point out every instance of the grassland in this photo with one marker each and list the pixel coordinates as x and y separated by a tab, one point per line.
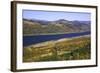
59	50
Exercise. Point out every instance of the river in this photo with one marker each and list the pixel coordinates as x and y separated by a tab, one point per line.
29	40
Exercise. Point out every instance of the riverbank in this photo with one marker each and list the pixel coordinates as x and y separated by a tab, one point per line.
52	33
77	48
55	41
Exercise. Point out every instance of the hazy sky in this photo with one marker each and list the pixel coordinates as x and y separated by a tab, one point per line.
51	15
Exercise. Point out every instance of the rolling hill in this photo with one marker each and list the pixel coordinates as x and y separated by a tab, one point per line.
38	27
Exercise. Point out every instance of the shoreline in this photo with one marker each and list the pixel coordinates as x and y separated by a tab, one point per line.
55	41
53	33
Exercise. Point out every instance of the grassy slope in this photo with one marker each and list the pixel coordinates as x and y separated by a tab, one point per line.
73	49
37	28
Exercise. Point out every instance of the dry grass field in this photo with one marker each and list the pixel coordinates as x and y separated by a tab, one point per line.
64	49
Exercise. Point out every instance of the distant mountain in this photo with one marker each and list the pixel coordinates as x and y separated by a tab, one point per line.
36	27
43	22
